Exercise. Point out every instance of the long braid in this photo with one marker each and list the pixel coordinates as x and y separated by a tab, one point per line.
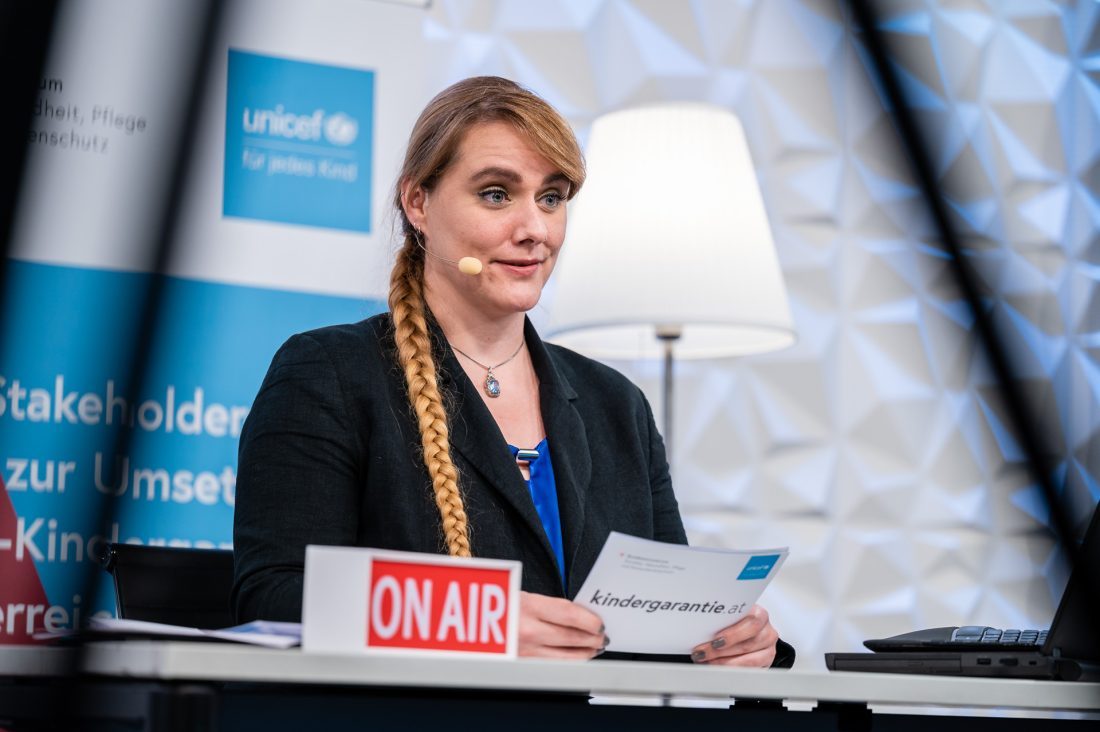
433	145
414	353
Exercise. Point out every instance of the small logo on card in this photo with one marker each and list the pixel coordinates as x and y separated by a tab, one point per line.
758	567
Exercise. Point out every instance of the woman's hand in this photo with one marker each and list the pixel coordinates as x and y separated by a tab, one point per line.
748	642
552	627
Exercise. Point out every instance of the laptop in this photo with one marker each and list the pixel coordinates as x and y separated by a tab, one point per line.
1069	651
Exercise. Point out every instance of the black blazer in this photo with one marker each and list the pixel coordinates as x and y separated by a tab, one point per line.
330	454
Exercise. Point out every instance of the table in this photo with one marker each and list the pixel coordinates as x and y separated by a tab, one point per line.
176	685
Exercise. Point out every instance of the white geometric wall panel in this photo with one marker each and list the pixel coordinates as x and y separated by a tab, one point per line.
877	447
1011	94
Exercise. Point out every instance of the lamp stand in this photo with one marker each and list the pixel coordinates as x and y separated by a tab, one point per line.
668	335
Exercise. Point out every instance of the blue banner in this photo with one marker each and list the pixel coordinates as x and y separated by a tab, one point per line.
63	399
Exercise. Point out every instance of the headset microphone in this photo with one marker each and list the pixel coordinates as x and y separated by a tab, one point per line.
470	265
466	265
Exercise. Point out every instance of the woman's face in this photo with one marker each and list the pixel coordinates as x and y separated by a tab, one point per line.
501	202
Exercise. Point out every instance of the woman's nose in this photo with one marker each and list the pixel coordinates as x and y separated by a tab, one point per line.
531	224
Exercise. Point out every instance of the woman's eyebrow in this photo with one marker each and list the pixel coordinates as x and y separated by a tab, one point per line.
496	172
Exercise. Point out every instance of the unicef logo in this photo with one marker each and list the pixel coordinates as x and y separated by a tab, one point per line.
340	129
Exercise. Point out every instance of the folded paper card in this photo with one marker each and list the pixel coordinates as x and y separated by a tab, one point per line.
258	632
666	598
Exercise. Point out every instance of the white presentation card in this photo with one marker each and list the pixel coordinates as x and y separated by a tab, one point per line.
667	598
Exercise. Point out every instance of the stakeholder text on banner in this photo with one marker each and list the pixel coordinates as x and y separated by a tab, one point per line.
666	598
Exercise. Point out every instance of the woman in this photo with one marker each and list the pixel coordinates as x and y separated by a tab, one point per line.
449	425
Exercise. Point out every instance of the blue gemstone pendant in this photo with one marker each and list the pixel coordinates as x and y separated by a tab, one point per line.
492	386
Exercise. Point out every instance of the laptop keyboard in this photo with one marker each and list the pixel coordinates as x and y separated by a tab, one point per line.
970	635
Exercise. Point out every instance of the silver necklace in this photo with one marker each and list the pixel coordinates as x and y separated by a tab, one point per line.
492	386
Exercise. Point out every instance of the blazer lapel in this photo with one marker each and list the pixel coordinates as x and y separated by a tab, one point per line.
568	441
475	435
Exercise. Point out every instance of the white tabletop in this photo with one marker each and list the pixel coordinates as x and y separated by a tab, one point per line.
167	660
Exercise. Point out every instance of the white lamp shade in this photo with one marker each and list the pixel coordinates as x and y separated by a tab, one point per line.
669	230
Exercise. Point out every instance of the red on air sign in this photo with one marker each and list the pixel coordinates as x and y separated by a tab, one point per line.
360	600
437	607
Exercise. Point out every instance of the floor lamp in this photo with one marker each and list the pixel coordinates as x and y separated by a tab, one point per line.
668	252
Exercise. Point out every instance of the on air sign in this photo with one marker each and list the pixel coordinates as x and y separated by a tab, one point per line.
368	600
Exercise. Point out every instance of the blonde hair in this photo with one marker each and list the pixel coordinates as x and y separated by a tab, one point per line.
434	141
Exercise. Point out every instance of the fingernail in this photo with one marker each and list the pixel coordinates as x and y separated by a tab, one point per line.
600	652
698	656
717	643
602	629
606	641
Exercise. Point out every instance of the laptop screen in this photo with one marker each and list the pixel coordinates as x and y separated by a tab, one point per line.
1074	632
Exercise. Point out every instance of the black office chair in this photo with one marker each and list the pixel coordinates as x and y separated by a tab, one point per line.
188	587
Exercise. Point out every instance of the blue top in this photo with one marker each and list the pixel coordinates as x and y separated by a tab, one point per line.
544	492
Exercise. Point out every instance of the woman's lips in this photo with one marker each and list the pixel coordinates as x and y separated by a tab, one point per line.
520	266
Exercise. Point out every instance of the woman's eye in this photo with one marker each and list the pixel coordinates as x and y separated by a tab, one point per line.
494	195
552	199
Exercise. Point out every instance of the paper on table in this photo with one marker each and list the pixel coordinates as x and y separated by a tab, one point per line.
258	632
666	598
